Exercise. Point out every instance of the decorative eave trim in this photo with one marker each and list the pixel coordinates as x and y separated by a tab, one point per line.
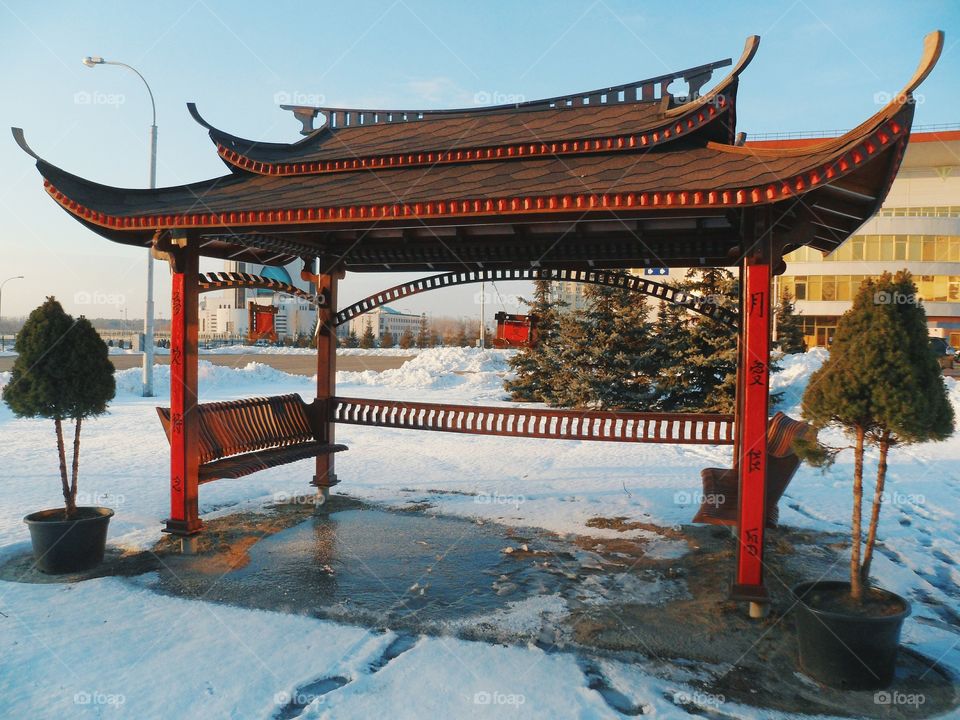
885	136
604	144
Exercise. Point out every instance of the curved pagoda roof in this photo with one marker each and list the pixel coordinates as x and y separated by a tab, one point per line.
610	178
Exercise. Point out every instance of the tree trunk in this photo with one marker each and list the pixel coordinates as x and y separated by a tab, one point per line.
877	502
68	499
856	586
76	460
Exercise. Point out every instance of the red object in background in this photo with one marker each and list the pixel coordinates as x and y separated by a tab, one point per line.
515	330
260	323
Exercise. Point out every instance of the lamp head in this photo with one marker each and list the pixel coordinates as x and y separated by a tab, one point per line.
92	60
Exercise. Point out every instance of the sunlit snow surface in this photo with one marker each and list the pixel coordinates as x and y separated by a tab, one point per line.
171	657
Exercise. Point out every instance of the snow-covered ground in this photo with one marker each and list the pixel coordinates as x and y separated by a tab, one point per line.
133	653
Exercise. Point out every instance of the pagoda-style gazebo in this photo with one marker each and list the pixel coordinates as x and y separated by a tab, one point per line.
572	187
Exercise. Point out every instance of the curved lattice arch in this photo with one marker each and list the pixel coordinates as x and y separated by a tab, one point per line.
704	306
228	280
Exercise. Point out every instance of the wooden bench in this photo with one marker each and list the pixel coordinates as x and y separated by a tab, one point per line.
719	502
240	437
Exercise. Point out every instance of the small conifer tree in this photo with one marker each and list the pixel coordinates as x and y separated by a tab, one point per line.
62	372
533	365
705	378
424	336
368	340
883	387
387	340
789	326
406	339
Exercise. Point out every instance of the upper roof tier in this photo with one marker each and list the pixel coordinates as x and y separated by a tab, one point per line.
667	198
624	117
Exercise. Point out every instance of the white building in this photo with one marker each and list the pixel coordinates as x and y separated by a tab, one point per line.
225	314
380	320
917	229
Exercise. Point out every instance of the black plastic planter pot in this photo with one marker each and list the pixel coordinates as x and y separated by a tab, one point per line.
845	650
67	546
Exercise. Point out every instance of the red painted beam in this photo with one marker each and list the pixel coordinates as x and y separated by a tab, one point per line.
184	421
754	386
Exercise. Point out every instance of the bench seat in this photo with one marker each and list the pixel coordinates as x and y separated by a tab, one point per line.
241	437
719	502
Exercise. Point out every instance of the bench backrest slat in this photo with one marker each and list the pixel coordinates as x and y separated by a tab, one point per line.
243	426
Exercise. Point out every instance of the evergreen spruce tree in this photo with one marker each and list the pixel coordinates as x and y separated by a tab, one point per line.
406	339
62	372
605	357
424	336
387	340
883	387
669	346
352	340
707	382
789	326
533	366
368	339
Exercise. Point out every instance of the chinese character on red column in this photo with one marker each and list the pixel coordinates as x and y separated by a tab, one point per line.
176	356
753	460
177	422
177	483
758	303
176	303
752	543
758	371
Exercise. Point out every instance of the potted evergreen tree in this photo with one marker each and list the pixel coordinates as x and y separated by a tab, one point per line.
883	387
63	372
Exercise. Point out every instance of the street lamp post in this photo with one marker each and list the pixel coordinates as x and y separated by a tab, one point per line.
148	325
3	340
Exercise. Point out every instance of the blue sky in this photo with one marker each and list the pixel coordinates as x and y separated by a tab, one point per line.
819	67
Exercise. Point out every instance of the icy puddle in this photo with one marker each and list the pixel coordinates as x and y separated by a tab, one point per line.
419	572
387	568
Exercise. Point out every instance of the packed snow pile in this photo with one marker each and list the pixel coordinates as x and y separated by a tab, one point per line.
273	350
438	368
252	379
791	381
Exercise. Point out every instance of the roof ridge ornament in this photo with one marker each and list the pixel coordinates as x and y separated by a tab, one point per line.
932	48
638	91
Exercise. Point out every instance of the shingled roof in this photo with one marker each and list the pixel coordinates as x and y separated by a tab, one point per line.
599	184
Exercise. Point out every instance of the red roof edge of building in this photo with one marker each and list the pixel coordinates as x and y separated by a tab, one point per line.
917	137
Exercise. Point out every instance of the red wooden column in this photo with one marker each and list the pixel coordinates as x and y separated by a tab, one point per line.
184	517
753	376
326	477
